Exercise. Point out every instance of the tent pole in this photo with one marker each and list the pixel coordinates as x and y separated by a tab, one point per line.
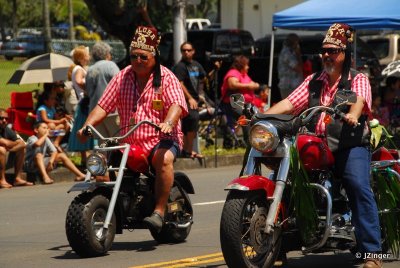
355	50
271	63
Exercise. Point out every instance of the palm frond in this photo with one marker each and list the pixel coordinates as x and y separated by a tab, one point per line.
388	197
302	201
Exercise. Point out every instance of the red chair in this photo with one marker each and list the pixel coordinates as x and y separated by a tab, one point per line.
21	113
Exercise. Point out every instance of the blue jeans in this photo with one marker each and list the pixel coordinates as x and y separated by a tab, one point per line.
353	166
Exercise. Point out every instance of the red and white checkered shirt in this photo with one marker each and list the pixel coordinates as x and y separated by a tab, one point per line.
123	93
299	97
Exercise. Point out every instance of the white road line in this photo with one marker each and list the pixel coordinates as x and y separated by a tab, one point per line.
209	203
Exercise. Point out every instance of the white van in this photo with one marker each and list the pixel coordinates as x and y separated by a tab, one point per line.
197	24
386	47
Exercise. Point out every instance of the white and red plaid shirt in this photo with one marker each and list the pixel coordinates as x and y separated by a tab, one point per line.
123	94
299	97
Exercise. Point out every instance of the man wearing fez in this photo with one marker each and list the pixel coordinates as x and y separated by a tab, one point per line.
146	90
352	155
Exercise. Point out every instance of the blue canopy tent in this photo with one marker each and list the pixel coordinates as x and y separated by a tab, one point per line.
320	14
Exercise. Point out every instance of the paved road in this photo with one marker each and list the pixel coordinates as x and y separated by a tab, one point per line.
32	232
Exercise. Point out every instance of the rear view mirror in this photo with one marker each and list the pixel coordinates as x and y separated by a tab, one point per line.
237	102
345	97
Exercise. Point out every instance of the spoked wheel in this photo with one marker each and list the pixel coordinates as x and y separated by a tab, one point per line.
183	216
243	240
84	225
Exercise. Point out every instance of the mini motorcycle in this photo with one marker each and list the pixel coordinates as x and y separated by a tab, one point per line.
259	221
106	208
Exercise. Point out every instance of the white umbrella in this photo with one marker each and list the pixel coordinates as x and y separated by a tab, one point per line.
45	68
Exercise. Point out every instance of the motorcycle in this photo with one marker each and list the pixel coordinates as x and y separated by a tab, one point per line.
103	209
260	221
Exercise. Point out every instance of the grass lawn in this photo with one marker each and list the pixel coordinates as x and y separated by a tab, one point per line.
7	68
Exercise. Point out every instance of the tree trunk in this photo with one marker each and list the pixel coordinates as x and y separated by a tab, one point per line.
71	32
46	26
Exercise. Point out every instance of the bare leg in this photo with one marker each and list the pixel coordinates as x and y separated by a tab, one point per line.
188	141
39	161
3	181
68	164
163	162
19	162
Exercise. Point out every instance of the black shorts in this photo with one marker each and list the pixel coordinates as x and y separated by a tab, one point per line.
165	144
190	123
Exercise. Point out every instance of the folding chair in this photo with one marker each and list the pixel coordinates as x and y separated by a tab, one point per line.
21	105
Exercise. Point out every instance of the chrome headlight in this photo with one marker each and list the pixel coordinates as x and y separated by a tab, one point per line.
264	137
96	163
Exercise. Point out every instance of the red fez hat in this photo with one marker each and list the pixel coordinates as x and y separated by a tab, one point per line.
145	38
339	34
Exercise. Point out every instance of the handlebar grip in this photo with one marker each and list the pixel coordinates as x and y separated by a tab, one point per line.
341	114
87	131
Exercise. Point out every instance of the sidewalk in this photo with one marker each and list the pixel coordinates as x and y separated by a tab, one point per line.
62	174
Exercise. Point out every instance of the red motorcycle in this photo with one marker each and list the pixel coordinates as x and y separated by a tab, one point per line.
262	218
103	209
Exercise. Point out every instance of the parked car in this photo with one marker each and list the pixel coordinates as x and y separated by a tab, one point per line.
386	47
366	60
23	46
211	45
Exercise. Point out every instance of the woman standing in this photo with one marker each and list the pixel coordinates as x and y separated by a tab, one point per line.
236	80
77	74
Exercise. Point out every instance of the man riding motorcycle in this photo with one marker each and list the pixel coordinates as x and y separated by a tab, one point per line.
349	140
146	90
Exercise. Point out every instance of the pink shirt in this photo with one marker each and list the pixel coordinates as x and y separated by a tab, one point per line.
299	97
243	78
123	93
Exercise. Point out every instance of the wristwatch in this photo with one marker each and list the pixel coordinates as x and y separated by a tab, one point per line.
169	123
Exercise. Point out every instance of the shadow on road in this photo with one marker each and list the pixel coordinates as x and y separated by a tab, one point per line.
117	246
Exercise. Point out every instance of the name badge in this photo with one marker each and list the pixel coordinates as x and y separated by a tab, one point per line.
157	105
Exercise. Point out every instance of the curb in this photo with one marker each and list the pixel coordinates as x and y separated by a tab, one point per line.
62	174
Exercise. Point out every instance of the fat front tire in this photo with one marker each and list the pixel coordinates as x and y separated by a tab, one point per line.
170	234
243	240
84	222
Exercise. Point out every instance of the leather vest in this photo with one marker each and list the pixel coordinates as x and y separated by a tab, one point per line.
340	135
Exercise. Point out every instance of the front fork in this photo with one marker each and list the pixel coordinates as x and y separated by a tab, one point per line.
100	234
283	151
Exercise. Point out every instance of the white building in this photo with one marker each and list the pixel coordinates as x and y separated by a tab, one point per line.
257	14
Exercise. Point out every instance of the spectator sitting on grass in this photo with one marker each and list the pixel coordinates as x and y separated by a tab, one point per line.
42	156
10	143
46	113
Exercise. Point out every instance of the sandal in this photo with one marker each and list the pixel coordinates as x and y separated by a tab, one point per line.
5	185
23	183
197	155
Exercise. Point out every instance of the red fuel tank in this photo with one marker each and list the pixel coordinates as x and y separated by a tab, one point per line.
314	152
137	159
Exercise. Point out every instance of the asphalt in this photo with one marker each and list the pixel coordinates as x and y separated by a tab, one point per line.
61	174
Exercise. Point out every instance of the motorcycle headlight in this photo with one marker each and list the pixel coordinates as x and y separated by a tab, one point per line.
264	137
96	163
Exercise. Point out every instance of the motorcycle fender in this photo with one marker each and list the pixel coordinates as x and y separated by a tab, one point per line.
251	183
184	182
86	186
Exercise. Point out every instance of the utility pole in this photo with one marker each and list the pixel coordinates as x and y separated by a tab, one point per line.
71	32
179	26
46	19
240	14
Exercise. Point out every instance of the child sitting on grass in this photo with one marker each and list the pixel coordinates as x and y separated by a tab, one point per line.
42	156
46	112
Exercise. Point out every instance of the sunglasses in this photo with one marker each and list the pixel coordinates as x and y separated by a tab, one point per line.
330	50
141	56
3	118
186	50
